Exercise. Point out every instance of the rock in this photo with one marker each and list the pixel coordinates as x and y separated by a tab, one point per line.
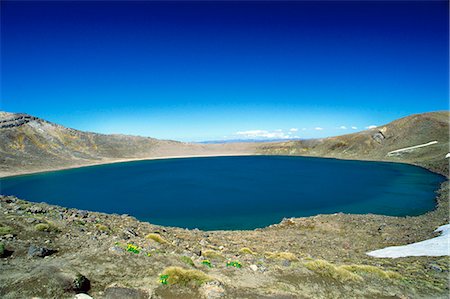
203	242
10	199
435	268
212	290
8	236
116	249
254	268
286	263
378	137
35	251
81	283
82	213
35	210
124	293
130	232
82	296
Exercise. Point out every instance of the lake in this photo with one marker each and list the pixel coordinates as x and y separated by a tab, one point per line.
243	192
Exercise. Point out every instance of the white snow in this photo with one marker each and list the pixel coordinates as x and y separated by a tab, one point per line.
411	148
448	155
438	246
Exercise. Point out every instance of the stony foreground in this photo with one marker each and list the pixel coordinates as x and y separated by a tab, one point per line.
55	252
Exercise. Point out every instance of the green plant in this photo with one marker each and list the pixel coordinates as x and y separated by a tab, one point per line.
235	264
178	275
133	248
163	279
207	263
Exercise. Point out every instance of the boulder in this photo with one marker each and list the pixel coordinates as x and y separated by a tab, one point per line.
36	251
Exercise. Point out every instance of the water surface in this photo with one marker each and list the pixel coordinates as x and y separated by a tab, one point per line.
234	192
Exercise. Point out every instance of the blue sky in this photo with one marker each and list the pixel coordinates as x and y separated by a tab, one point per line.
206	70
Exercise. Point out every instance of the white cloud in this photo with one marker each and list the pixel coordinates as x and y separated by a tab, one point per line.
304	129
318	128
293	130
354	128
253	134
371	127
343	127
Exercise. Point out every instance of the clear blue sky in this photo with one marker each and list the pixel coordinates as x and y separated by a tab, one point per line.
205	70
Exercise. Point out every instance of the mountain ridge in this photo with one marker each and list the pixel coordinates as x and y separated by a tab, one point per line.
32	144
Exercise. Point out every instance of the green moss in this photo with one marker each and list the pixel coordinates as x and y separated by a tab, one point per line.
157	238
327	269
2	249
187	260
178	275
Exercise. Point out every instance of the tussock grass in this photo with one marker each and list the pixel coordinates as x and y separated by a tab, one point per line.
327	269
46	227
213	255
4	230
246	250
187	260
178	275
367	269
157	238
281	256
101	227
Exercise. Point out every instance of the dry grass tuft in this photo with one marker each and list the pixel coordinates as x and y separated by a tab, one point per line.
327	269
367	269
246	250
46	227
157	238
178	275
4	230
213	255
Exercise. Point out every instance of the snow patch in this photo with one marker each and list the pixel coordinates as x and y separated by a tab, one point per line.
411	148
438	246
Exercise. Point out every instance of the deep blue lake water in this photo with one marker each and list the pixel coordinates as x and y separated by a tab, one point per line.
234	192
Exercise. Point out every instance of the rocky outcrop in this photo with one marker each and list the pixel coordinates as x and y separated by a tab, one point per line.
16	120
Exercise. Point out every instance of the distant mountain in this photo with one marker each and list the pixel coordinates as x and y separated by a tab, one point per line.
32	144
244	141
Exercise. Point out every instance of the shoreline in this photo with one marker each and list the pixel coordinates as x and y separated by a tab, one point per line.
126	160
105	162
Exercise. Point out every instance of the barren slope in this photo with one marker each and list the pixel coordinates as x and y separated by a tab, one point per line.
375	144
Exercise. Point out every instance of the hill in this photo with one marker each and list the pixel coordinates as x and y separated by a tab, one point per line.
378	143
31	144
